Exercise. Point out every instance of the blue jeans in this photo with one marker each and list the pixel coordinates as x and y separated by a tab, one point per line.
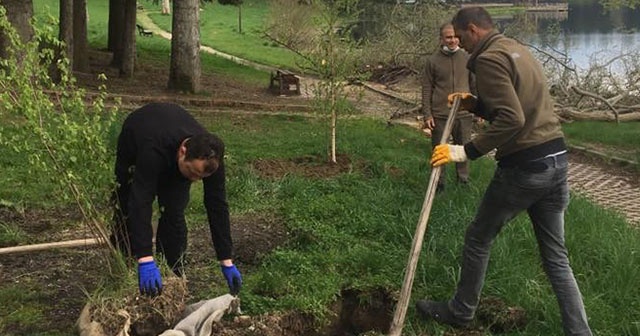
544	194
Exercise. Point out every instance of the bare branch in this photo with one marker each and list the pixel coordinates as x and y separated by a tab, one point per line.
595	96
553	57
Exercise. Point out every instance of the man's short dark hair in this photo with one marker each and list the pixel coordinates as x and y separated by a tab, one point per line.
476	15
204	146
445	26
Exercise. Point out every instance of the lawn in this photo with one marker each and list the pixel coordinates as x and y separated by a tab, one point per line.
353	230
609	138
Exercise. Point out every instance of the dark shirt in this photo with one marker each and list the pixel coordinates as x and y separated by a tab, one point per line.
149	141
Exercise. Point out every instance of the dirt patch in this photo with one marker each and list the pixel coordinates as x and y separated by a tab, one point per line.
276	324
39	226
149	83
307	166
57	280
359	312
65	276
354	313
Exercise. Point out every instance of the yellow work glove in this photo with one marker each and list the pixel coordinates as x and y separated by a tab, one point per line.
444	154
467	100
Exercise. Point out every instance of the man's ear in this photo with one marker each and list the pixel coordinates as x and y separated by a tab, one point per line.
212	166
472	28
182	150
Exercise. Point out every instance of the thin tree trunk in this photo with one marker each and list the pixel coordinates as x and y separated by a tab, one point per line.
65	35
184	74
334	122
66	29
129	39
80	42
116	31
19	13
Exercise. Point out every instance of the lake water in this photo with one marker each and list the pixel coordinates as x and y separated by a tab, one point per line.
585	33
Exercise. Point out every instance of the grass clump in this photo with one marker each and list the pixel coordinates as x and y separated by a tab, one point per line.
615	139
11	235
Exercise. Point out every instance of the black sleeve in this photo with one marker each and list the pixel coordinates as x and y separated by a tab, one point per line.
471	151
215	201
143	191
472	84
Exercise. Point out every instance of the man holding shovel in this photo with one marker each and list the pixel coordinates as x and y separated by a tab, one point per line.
161	150
531	174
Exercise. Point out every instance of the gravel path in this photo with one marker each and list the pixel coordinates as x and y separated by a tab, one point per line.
607	187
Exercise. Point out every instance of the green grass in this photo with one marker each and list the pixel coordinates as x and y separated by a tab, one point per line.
219	30
355	230
11	234
505	11
621	139
18	174
22	306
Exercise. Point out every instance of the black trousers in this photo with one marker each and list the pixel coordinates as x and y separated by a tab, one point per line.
171	233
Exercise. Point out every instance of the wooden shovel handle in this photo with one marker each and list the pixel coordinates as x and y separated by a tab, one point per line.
405	294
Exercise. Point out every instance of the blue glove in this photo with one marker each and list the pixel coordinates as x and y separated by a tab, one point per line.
234	279
149	279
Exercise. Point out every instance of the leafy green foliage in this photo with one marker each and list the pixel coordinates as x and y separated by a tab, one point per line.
64	140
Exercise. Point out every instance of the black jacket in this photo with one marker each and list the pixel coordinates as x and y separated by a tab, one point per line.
149	141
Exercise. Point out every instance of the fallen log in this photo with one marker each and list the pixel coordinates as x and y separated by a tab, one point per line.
573	114
595	96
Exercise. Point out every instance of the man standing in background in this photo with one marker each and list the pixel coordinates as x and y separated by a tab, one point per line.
445	73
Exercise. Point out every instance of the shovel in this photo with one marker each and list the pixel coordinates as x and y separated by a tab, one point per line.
405	294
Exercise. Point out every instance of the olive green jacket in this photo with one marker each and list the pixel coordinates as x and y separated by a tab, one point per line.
444	73
513	96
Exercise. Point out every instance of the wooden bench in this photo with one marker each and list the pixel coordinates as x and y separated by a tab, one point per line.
284	82
144	32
